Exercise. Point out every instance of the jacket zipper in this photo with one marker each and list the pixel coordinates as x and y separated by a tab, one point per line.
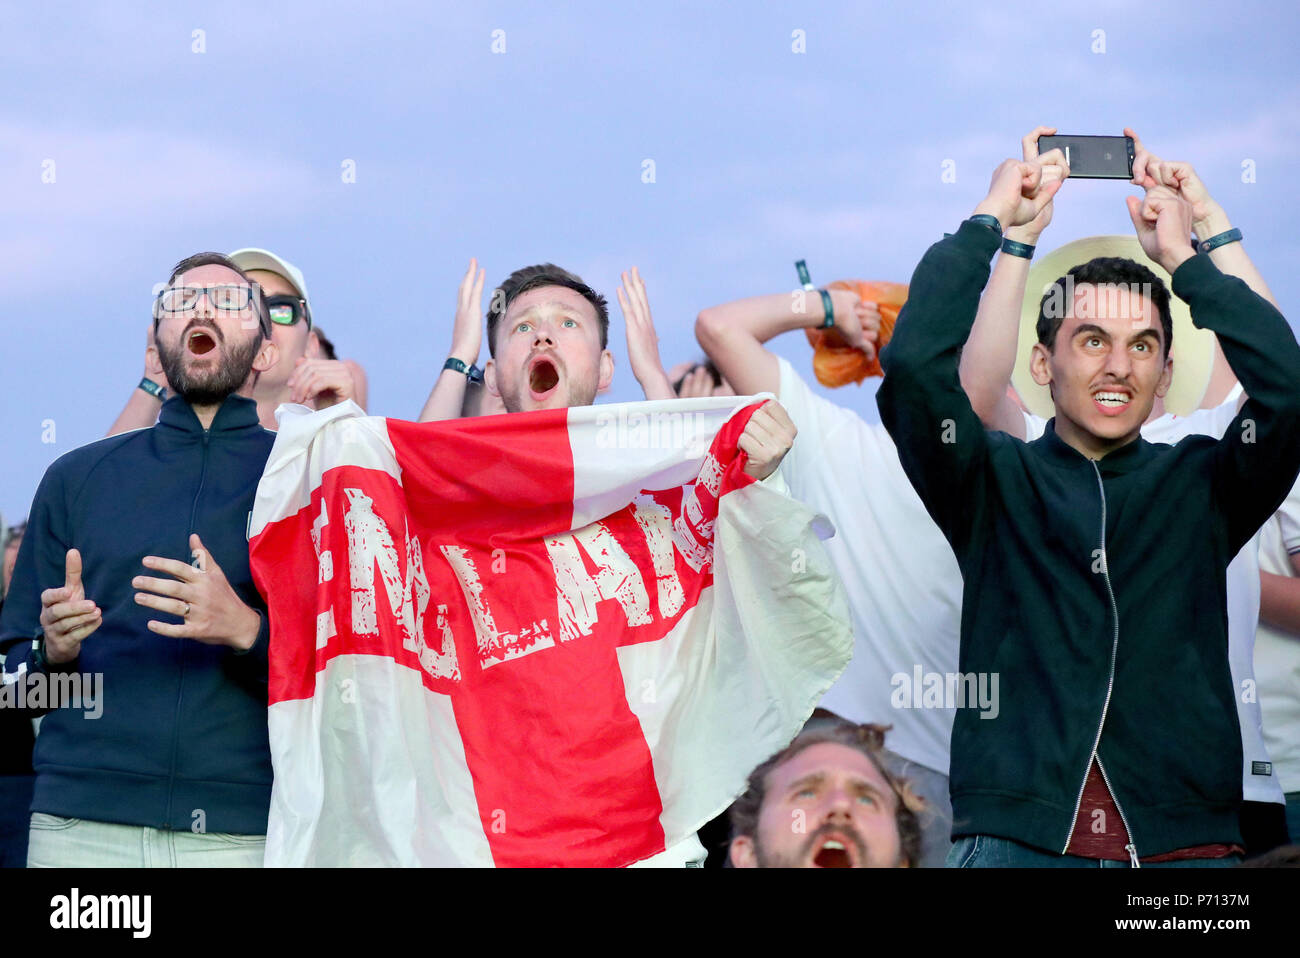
1131	848
180	692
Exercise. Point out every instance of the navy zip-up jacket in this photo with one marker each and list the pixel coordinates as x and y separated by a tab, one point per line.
181	737
1096	590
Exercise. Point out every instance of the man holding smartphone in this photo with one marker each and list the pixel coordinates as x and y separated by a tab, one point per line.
1101	610
989	364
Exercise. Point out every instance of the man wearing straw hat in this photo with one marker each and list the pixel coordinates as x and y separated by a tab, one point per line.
1086	590
1201	376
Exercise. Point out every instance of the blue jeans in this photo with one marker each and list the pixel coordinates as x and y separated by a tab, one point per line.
985	851
1293	816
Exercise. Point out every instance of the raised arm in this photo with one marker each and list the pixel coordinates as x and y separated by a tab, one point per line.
733	334
448	394
989	356
941	442
1256	462
1208	220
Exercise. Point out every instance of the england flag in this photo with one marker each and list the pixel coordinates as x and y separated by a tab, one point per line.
556	638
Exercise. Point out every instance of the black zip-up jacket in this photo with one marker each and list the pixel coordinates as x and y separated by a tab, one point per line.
181	741
1094	589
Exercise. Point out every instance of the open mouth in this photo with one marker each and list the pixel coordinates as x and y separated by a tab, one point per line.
200	341
543	377
833	853
1111	402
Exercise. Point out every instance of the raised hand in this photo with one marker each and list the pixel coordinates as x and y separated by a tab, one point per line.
856	320
467	325
1054	168
213	612
1163	221
67	616
696	382
1149	170
1018	193
321	382
642	340
768	436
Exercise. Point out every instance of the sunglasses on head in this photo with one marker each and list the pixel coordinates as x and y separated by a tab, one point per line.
287	310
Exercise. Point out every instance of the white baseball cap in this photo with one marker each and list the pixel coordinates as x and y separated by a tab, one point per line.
254	258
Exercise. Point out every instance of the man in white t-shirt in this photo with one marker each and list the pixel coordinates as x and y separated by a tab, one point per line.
992	359
1277	649
900	575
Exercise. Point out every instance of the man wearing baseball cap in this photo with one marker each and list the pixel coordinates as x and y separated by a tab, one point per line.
306	373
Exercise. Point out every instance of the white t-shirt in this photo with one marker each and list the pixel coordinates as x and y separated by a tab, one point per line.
1259	781
1277	653
902	579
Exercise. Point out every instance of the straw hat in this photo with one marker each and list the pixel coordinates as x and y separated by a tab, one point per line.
1192	352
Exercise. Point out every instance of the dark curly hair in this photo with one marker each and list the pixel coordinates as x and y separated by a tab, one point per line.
1102	271
870	741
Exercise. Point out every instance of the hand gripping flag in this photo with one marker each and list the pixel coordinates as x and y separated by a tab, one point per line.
551	638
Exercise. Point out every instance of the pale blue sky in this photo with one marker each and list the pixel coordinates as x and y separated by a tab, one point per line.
762	156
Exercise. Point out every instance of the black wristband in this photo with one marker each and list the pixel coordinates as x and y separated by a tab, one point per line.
828	310
472	373
989	220
1220	239
828	307
153	389
1013	248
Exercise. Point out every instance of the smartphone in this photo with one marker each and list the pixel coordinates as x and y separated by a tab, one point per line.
1093	157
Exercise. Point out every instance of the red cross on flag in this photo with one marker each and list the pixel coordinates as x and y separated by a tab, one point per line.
548	638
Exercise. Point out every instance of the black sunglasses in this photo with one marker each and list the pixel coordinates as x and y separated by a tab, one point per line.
287	310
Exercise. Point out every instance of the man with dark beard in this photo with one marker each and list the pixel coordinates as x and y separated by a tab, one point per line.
827	800
307	372
133	623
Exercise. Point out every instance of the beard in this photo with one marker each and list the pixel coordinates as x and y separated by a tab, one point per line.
208	388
